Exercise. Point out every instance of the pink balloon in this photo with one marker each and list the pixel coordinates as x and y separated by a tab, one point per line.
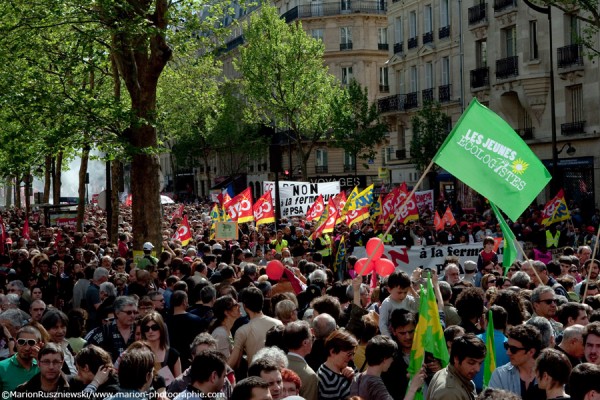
359	266
371	245
275	270
384	267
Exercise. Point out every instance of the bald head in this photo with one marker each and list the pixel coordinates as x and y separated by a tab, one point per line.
323	325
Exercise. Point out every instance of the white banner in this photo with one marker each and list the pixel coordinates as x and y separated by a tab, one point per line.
408	259
295	198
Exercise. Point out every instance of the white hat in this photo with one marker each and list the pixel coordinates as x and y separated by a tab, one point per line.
217	246
148	246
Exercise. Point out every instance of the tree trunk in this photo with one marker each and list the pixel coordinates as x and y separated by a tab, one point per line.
47	179
83	167
8	195
28	181
57	183
18	192
117	177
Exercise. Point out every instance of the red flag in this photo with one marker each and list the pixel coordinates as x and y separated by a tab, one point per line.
448	218
2	235
26	229
178	213
263	210
437	222
183	233
354	216
129	200
329	223
59	238
240	207
393	201
316	210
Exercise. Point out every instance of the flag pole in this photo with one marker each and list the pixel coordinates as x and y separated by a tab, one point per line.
587	279
389	228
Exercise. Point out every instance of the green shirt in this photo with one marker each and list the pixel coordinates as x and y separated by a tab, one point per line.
12	373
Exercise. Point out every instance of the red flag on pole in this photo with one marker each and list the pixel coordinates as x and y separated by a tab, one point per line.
2	235
263	210
183	233
240	207
26	229
316	210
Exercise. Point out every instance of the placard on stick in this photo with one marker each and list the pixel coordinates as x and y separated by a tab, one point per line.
226	231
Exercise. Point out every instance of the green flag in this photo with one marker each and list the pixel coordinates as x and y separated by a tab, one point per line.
489	364
484	152
429	335
510	251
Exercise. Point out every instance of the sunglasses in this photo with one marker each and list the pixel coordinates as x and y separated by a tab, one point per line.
513	269
491	281
130	312
107	320
572	271
148	328
23	342
513	349
548	302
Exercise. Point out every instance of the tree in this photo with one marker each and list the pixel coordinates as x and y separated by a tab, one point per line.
430	128
285	82
357	127
138	39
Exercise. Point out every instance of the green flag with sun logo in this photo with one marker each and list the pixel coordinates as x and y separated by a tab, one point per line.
484	152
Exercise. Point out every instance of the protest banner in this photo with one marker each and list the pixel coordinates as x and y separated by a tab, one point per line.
424	200
297	197
433	257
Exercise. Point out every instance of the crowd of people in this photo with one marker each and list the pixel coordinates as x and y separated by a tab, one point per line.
83	314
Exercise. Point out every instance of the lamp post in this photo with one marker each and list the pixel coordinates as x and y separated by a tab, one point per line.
555	183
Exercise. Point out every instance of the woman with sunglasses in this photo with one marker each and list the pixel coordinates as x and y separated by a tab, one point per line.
226	311
154	332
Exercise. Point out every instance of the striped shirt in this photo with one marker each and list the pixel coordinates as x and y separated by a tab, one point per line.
332	385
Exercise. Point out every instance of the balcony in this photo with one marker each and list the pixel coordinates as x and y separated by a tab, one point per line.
384	88
525	133
383	46
398	48
339	8
477	14
572	128
391	103
507	67
345	46
401	154
503	5
412	101
427	95
290	15
569	56
444	93
413	42
232	44
428	38
321	169
444	32
480	78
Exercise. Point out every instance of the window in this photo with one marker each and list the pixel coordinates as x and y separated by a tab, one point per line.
414	79
412	24
573	34
445	71
510	41
575	105
346	75
481	53
383	38
398	30
349	161
384	85
317	33
401	137
316	8
345	5
345	38
427	19
321	161
444	15
533	44
401	83
428	75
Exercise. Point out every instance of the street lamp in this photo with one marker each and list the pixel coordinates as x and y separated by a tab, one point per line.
570	149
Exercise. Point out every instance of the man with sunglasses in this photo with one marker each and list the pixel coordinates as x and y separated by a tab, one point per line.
518	376
544	305
50	380
117	335
22	366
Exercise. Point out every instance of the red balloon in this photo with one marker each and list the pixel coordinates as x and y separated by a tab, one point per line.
359	266
275	270
371	245
384	267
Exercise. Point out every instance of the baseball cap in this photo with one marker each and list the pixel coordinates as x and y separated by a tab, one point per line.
148	246
470	266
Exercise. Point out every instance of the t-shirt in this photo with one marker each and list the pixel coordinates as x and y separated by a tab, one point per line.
332	385
385	311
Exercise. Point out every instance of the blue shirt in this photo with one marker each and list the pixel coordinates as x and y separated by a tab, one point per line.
501	356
